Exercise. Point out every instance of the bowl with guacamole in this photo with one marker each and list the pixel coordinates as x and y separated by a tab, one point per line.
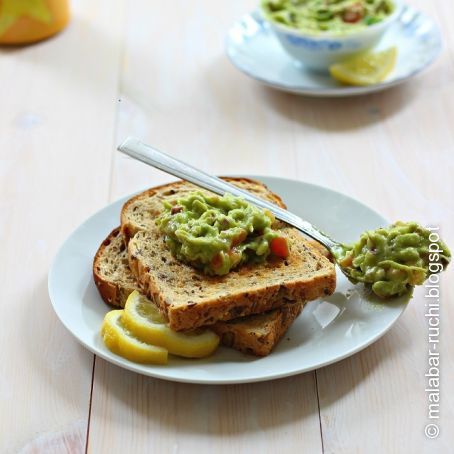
319	33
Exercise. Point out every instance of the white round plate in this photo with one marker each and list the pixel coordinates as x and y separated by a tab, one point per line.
254	50
327	331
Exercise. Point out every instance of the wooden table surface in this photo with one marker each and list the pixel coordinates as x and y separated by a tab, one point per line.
156	69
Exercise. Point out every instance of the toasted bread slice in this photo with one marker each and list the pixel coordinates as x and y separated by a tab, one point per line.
111	272
113	276
256	334
191	298
140	212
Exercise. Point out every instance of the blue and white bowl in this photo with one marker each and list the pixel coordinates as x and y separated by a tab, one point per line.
319	51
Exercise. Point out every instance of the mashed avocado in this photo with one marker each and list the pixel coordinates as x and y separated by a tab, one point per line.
335	16
393	259
216	234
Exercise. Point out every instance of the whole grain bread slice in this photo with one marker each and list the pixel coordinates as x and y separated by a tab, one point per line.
111	272
190	298
256	334
140	212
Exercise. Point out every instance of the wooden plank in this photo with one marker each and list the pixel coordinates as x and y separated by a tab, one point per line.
395	152
57	122
182	95
133	413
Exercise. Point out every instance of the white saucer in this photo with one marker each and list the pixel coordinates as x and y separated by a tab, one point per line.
327	331
254	50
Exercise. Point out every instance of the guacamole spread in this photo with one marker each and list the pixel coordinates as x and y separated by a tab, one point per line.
216	234
335	16
394	259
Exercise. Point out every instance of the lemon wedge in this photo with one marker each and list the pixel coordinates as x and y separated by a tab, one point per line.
121	341
365	69
143	319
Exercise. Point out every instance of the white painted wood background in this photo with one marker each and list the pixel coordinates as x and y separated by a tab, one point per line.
156	69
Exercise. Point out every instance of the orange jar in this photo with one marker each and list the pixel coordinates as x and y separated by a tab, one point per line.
28	21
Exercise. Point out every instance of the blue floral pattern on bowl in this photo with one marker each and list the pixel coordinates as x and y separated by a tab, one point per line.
312	44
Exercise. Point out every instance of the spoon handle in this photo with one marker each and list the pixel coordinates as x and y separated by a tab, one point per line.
155	158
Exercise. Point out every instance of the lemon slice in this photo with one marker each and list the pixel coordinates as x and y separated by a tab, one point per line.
121	341
365	69
143	318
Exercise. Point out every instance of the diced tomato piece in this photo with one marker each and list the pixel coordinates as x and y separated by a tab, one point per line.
279	247
354	14
351	17
216	261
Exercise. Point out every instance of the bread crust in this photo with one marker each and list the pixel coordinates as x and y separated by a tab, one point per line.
112	292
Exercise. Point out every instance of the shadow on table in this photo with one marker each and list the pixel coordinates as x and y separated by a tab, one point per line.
340	114
211	410
60	363
329	114
341	378
230	410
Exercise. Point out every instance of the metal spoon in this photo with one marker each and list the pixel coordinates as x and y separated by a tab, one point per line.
155	158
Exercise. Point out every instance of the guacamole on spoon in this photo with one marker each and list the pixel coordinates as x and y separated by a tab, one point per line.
393	260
